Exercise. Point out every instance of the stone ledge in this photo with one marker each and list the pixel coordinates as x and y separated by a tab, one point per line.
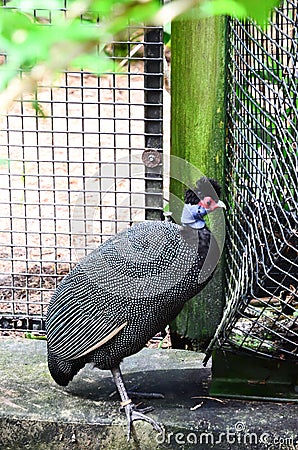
37	414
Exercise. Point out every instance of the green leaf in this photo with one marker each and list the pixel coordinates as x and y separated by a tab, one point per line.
31	5
94	63
168	28
35	336
221	7
7	73
12	18
103	8
166	207
139	13
167	33
258	10
38	109
76	32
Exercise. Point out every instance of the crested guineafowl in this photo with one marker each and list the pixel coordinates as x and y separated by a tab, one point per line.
128	289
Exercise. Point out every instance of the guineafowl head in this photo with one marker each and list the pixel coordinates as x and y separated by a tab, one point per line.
199	201
205	187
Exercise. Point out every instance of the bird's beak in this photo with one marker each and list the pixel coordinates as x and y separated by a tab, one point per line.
221	204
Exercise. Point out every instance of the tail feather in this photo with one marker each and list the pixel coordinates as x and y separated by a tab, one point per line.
63	371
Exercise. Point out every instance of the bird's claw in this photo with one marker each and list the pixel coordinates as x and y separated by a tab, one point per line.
134	414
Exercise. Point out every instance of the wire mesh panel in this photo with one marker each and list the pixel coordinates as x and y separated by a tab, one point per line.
262	164
73	172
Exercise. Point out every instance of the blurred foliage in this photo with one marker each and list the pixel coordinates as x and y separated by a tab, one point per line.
257	10
43	38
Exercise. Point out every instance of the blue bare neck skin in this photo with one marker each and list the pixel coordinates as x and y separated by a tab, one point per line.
192	216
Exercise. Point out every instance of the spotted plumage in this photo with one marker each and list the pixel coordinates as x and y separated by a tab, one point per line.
124	292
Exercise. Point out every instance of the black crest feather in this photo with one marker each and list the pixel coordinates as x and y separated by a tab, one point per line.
204	187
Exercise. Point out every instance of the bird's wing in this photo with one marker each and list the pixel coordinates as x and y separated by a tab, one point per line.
82	316
99	297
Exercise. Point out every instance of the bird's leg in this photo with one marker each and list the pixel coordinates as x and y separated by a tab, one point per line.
132	413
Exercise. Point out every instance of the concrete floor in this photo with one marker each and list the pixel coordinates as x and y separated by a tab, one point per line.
35	413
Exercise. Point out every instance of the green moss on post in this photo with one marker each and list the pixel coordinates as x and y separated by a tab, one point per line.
198	136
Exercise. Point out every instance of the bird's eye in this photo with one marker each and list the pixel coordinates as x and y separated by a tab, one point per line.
208	202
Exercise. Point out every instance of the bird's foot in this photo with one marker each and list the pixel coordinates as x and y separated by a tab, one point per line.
133	414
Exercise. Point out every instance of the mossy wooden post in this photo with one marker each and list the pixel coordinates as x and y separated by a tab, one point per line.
198	136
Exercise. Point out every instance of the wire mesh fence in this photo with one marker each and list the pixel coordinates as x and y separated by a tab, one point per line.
77	173
73	170
262	164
